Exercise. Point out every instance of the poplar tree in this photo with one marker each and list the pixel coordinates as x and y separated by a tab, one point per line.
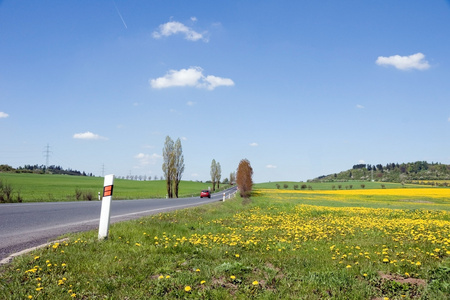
168	164
173	166
218	174
178	165
213	174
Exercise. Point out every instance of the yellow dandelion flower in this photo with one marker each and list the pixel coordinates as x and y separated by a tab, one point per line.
39	288
202	282
168	276
418	263
237	255
348	266
255	282
233	277
73	295
187	288
160	277
197	270
30	297
36	257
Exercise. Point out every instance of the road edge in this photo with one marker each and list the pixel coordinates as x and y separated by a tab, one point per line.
10	258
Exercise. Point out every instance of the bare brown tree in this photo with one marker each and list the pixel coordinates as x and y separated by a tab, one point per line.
244	179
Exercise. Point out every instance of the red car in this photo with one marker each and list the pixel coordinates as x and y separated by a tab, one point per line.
205	193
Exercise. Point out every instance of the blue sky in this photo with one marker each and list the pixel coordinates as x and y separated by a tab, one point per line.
299	88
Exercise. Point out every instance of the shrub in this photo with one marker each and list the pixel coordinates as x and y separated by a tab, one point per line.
285	186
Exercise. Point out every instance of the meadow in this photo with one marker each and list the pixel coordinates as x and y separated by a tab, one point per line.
45	188
278	244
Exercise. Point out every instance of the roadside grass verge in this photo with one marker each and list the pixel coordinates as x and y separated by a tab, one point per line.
271	246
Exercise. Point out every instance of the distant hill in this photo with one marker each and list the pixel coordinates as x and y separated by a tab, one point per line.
393	172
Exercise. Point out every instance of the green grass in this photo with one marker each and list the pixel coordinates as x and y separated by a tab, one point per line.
40	188
262	248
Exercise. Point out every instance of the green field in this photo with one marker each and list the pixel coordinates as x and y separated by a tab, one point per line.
275	245
40	188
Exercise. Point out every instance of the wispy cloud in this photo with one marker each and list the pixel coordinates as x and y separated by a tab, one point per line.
190	103
359	106
148	159
88	136
173	27
3	115
414	61
271	167
254	144
192	77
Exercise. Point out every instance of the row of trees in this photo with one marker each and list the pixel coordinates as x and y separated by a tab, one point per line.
173	165
42	169
173	168
411	167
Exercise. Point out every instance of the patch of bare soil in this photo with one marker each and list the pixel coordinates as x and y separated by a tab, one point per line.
416	201
400	279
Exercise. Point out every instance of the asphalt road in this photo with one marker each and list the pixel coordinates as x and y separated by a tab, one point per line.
25	225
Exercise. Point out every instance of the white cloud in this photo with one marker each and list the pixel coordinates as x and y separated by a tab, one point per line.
254	144
88	136
183	138
414	61
3	115
174	27
148	159
189	77
359	106
361	161
271	167
190	103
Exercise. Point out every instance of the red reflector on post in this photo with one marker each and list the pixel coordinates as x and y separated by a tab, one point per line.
107	191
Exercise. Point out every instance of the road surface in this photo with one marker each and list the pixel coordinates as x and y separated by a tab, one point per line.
25	225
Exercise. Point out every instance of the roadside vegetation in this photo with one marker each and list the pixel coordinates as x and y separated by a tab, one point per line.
277	244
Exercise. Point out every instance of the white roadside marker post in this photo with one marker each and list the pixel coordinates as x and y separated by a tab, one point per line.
106	207
223	197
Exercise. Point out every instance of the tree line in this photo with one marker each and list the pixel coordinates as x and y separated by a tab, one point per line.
411	167
42	169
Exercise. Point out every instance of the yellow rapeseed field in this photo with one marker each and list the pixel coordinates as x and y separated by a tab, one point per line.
409	192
